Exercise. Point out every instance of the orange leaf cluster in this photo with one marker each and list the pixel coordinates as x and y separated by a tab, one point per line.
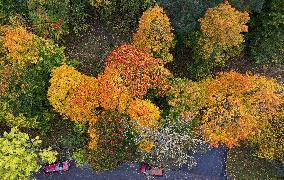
138	70
221	30
112	93
82	102
155	34
236	105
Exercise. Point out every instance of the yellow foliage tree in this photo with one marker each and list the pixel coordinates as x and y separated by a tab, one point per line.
144	114
155	34
236	106
21	46
221	29
64	80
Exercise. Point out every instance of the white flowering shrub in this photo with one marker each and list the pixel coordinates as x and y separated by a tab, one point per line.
175	144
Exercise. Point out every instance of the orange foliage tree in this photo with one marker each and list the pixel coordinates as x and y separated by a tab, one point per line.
112	93
155	34
82	102
236	106
138	70
221	29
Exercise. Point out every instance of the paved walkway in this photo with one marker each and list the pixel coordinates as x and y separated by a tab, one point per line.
211	165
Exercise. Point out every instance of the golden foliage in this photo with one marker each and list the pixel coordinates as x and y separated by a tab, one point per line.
236	105
112	94
64	80
144	114
21	46
221	30
146	145
155	34
93	138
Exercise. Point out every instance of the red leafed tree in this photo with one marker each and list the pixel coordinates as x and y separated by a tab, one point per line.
138	70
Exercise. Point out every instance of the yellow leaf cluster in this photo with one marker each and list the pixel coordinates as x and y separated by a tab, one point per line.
155	34
21	46
93	138
236	105
144	114
146	145
221	30
64	80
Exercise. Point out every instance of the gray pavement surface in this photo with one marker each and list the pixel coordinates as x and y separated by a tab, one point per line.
211	165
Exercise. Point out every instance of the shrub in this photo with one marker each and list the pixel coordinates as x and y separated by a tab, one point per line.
20	155
221	37
76	137
21	46
10	8
126	10
79	157
113	146
266	35
7	116
144	114
138	70
175	144
155	34
234	111
27	88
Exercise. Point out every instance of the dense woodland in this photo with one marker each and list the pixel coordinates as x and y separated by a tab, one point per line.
106	82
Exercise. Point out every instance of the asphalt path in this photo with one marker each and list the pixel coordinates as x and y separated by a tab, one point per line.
210	165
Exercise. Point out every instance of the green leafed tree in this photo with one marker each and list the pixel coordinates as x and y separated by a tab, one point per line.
21	155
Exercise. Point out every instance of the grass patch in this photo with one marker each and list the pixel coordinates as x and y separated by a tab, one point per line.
242	164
